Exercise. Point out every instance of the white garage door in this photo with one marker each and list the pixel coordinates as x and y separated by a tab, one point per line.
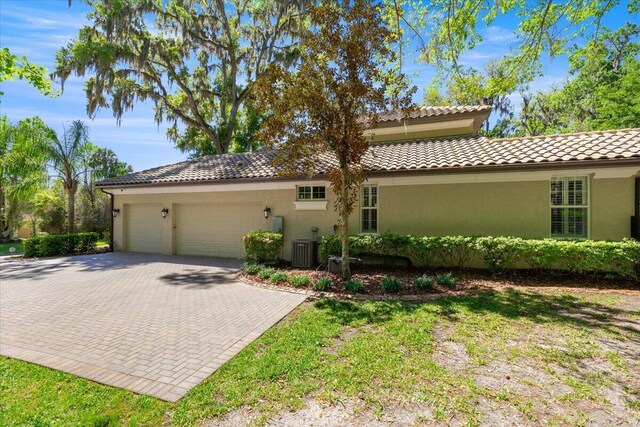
215	229
143	229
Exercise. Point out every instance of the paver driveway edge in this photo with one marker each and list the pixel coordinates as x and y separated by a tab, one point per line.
141	329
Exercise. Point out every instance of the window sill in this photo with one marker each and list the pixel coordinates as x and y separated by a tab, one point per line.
311	205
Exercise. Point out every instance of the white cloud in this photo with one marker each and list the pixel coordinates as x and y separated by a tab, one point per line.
497	34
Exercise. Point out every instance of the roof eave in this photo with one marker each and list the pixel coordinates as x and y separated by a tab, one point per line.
522	167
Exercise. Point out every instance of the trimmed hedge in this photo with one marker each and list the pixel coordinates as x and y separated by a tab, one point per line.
263	246
61	244
497	253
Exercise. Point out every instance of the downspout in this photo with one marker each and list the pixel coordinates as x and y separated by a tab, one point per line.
110	220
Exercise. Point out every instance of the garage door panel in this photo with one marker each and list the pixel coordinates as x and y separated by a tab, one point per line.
215	229
143	231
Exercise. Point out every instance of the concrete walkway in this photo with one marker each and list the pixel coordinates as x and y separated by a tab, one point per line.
153	324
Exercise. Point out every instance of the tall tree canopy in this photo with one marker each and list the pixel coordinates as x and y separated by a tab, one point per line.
545	28
196	61
345	78
602	93
14	67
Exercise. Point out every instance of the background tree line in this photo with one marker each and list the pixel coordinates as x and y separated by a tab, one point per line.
47	181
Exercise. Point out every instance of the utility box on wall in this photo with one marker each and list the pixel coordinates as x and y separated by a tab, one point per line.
277	224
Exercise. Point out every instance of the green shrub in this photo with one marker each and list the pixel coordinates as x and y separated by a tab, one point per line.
252	268
391	285
60	244
263	246
423	283
355	286
300	281
266	273
497	253
323	284
279	277
447	280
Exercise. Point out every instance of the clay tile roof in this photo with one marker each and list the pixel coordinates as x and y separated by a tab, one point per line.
463	153
433	112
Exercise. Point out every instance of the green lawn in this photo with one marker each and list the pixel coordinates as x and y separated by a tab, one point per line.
538	356
4	248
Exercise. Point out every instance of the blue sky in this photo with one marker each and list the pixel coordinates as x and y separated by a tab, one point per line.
38	28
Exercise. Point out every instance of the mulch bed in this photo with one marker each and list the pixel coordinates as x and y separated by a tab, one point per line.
468	281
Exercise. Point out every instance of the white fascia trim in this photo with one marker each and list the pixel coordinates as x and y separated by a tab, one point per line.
470	178
311	205
462	178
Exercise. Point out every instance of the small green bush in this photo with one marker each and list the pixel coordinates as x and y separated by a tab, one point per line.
323	284
355	286
423	283
391	285
279	277
447	280
60	244
252	268
300	281
263	246
266	273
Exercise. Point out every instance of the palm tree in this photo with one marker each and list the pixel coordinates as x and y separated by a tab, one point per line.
67	159
22	167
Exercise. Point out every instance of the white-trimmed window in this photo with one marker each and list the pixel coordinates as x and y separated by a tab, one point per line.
312	192
570	206
369	209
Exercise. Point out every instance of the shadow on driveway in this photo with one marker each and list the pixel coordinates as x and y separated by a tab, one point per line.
39	269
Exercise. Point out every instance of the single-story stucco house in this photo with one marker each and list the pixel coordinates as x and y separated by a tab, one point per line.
429	174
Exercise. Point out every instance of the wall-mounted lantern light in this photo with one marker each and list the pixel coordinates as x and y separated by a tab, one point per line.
164	212
115	212
266	212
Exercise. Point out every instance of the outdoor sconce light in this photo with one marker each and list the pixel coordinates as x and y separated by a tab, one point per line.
164	212
115	212
266	212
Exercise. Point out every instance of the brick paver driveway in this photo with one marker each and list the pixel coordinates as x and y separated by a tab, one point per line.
153	324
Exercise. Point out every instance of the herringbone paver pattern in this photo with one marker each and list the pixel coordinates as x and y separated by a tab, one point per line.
152	324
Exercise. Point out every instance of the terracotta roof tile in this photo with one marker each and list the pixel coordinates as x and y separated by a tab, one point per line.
433	111
418	155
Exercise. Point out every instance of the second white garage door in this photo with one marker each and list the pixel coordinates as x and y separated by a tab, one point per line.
215	229
143	228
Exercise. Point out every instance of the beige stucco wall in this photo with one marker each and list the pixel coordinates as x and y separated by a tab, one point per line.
512	208
611	208
297	224
517	208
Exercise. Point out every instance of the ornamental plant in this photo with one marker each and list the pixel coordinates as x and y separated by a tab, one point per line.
391	285
263	246
355	286
323	284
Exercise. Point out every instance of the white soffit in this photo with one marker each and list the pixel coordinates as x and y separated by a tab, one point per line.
469	178
424	127
425	179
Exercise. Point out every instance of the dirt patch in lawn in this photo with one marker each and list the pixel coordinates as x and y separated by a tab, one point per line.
349	412
554	377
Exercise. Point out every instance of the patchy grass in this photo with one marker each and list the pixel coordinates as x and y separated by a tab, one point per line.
533	357
36	396
5	248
